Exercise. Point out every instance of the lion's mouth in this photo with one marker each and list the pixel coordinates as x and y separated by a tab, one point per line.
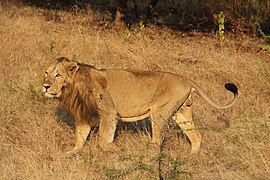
52	95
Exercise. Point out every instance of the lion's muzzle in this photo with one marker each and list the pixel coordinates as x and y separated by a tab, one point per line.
46	87
47	90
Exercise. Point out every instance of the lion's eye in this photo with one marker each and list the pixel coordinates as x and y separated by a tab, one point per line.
46	74
58	75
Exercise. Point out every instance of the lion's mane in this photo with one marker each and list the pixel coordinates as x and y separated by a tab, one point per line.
78	99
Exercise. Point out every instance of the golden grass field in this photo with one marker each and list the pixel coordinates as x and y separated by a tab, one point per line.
35	133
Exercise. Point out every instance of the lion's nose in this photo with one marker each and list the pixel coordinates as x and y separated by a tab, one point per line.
46	86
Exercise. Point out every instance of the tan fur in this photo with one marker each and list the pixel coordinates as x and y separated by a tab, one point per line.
105	96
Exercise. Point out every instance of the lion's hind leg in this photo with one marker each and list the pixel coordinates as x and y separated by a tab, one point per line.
163	109
183	118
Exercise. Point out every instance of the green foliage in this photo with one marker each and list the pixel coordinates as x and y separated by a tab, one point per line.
264	47
35	93
259	29
136	163
142	26
174	170
221	27
126	35
52	48
112	173
53	51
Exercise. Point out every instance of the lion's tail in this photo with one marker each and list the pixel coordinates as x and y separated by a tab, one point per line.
229	86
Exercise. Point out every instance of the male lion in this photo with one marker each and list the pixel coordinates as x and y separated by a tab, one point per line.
105	96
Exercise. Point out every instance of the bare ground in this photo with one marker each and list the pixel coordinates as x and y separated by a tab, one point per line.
35	134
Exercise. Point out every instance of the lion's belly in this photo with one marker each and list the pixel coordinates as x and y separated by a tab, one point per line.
132	110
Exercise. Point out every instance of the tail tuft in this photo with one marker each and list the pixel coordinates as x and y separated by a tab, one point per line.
231	87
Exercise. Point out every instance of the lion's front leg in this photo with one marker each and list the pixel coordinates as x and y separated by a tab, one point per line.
81	133
108	120
107	129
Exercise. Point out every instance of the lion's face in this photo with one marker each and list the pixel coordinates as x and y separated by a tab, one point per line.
57	76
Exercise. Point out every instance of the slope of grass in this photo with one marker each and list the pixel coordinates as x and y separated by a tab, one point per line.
35	134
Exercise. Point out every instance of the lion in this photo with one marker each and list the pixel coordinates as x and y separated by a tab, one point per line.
106	96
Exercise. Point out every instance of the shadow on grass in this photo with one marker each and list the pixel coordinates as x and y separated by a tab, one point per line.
141	126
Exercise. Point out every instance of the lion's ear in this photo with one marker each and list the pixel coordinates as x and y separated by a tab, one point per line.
72	68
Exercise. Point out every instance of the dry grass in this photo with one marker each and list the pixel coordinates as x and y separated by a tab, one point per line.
34	135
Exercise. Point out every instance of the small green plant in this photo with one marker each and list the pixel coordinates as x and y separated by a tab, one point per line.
136	163
221	27
261	32
35	93
174	170
142	26
53	52
126	35
264	47
52	48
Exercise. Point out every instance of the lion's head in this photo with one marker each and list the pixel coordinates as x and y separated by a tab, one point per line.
72	84
58	75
